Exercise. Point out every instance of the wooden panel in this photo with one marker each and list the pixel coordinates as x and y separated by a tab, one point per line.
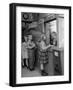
61	32
57	62
49	67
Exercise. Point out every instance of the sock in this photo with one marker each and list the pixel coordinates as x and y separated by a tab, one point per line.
27	62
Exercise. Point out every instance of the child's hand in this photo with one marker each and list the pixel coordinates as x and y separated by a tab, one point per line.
51	45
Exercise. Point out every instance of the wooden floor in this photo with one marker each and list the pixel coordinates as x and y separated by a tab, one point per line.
36	72
49	69
27	73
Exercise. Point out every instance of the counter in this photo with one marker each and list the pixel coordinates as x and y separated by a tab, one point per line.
56	61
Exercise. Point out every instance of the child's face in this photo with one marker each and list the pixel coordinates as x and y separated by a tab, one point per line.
44	37
53	35
30	37
25	38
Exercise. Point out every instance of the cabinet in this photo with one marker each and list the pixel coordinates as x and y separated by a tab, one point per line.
58	61
49	67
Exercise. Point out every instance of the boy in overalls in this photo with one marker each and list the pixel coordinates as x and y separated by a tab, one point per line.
31	52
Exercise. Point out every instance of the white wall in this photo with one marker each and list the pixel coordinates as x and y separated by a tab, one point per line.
4	44
61	32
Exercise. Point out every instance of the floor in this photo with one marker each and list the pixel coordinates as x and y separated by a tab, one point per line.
27	73
49	69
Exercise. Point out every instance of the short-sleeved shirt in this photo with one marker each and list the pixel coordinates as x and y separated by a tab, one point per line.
24	50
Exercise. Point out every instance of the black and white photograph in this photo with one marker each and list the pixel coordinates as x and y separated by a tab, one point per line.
40	44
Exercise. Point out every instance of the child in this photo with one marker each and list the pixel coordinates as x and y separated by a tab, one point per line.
31	44
43	55
24	53
31	52
53	40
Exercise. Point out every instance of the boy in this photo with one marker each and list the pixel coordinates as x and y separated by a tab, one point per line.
53	40
31	52
24	53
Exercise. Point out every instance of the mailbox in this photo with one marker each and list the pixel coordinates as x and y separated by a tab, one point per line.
57	65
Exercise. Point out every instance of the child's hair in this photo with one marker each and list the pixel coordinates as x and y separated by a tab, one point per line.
24	38
43	36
